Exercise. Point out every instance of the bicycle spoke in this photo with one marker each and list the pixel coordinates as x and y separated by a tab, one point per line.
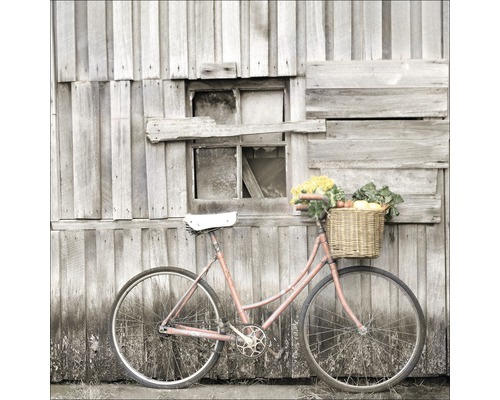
165	359
354	359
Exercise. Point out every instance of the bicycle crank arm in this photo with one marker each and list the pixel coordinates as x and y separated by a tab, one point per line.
245	338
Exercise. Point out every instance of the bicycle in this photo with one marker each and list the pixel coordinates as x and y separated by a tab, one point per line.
168	331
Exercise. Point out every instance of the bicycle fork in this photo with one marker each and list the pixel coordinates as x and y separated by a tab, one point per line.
335	275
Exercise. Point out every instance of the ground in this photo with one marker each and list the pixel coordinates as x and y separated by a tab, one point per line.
421	389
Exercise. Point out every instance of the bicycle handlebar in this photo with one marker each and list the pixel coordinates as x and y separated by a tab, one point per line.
310	196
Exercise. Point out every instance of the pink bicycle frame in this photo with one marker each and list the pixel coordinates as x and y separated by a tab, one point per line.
295	287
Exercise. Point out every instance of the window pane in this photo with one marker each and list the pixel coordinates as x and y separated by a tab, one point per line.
267	172
262	107
220	105
215	173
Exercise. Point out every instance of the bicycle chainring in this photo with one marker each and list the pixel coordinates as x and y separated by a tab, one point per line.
260	342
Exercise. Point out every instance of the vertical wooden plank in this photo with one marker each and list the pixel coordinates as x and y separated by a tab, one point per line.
231	33
431	30
136	39
421	287
175	152
150	39
164	50
90	265
106	163
56	354
186	248
436	294
100	292
298	142
298	258
287	34
380	288
177	39
286	316
121	149
155	153
128	263
82	41
259	40
408	256
191	39
218	31
86	154
205	35
98	55
73	305
372	30
109	39
55	167
245	38
273	37
315	17
65	134
215	279
268	255
158	253
358	39
408	273
386	30
329	29
400	30
65	41
301	18
342	26
139	178
447	250
228	244
416	28
122	40
242	263
446	29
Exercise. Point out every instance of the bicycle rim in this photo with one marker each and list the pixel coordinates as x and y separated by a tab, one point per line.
155	359
383	356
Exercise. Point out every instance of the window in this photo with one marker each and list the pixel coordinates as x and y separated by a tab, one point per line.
244	172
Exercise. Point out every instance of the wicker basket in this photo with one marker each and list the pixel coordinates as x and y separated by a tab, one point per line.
355	233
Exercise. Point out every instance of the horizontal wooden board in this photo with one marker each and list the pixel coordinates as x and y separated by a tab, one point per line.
248	220
218	71
403	181
391	129
419	209
199	127
376	103
377	74
383	153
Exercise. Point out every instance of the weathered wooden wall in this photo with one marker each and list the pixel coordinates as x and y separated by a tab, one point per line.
377	71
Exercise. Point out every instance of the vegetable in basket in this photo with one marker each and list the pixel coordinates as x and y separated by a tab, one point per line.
384	196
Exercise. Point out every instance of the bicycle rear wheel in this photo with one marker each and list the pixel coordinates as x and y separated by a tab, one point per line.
159	360
348	359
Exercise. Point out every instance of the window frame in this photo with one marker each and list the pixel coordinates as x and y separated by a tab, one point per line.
246	206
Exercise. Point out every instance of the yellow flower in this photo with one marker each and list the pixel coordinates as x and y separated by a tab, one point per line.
315	184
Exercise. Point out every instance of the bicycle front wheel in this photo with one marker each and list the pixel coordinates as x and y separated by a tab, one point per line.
362	362
159	360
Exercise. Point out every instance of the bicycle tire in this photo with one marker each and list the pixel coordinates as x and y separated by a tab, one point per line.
137	376
410	365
